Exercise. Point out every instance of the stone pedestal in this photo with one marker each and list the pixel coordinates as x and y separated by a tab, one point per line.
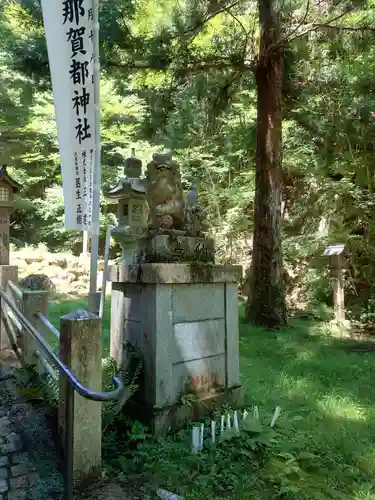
184	319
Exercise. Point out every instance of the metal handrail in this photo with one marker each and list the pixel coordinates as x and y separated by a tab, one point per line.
46	322
83	391
72	384
15	289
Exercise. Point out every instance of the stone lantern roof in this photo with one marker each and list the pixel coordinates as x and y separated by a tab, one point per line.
131	183
5	177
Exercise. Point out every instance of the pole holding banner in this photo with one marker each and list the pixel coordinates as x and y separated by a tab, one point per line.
72	34
94	297
69	29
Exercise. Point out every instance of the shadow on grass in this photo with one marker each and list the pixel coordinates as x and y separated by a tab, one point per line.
327	394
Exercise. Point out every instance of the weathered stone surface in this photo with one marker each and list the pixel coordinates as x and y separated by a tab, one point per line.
19	458
33	479
175	273
201	376
190	302
4	423
186	328
13	443
81	349
17	495
29	433
199	339
19	482
110	492
19	470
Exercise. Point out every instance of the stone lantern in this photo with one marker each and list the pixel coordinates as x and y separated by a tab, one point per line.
132	208
8	187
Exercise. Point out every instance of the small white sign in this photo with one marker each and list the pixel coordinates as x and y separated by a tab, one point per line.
69	28
335	249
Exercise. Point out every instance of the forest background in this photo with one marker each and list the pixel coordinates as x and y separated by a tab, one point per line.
192	76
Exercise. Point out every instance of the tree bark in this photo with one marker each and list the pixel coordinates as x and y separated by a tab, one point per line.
266	303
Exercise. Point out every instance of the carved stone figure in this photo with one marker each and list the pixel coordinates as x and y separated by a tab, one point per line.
165	197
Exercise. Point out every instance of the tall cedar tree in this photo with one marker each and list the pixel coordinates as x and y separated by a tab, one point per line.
266	304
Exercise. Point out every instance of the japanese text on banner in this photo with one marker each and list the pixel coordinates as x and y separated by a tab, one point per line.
69	33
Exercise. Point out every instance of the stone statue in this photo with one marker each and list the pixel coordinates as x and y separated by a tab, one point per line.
175	228
196	224
164	195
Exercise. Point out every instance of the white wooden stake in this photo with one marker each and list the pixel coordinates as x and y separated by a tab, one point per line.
195	439
222	425
245	414
228	422
213	431
235	422
275	416
201	437
256	413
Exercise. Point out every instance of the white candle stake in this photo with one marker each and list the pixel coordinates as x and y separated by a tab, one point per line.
245	414
228	422
275	416
195	439
222	425
213	431
235	421
256	413
201	437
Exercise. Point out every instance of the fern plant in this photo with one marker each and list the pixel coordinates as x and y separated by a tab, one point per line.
44	389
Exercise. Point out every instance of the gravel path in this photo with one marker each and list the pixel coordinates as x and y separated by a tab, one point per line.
28	455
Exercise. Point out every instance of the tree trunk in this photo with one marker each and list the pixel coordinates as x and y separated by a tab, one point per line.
266	303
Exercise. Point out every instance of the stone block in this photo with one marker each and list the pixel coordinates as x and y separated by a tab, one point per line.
19	482
185	323
3	486
201	376
195	302
199	339
17	495
175	273
19	470
3	473
33	479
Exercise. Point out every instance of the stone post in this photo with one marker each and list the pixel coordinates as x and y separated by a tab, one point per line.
81	352
33	302
338	288
7	273
335	253
4	235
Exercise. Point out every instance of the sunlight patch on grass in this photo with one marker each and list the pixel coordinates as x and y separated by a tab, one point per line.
342	407
305	355
293	387
366	462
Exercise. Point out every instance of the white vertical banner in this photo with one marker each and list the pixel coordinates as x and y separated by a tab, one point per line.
69	28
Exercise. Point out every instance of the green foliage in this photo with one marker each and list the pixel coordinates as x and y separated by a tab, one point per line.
181	75
368	314
321	446
129	375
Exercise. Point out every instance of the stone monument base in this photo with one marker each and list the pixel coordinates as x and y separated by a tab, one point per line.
183	318
163	420
176	246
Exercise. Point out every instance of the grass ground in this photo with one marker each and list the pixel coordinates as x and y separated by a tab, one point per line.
324	444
